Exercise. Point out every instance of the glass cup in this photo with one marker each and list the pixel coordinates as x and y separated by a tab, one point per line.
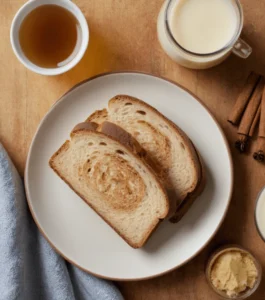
259	217
194	60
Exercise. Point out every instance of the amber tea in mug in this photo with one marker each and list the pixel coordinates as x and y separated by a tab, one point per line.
50	36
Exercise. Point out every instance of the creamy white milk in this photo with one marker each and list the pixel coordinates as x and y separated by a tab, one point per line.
260	213
199	26
203	26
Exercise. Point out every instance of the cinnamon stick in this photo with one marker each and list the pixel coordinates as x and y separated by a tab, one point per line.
243	98
259	154
249	117
255	122
242	142
251	109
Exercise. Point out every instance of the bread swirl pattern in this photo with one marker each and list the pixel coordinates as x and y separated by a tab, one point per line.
115	179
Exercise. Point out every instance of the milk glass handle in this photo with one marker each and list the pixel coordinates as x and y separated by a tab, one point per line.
242	49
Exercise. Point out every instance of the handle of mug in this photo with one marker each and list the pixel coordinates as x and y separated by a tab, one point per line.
242	49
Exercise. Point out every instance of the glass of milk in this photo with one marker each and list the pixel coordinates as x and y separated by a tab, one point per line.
260	214
200	34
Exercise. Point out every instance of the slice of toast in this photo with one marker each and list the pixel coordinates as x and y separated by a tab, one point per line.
113	181
171	153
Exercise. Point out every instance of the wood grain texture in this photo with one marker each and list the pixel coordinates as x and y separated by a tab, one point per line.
123	37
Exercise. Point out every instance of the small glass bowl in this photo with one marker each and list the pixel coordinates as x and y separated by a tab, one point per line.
258	204
211	261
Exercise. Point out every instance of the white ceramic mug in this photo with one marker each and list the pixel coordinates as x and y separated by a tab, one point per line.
24	11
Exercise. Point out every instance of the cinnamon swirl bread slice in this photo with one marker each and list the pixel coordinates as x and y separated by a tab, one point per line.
113	181
171	153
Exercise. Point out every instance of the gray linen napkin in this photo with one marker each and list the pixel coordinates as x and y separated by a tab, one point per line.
29	268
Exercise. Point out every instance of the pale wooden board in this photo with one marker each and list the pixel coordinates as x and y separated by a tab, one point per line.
123	37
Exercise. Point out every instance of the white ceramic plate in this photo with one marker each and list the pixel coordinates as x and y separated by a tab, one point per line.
77	232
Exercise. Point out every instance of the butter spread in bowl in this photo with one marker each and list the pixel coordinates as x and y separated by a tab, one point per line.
233	273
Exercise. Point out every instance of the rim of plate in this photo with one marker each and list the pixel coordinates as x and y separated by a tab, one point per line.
60	100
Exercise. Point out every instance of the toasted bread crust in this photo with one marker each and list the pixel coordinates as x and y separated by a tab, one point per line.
153	226
190	199
99	116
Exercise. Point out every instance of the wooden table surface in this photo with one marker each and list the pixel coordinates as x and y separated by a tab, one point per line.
123	37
